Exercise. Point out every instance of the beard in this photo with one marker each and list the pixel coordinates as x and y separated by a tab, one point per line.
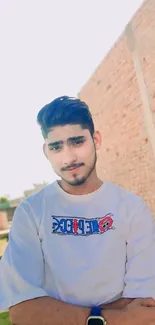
79	181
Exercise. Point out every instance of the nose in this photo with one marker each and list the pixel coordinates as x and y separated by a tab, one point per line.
69	156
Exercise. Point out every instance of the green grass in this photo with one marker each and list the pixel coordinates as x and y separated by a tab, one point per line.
4	318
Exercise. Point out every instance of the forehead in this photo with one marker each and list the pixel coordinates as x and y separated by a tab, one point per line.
62	133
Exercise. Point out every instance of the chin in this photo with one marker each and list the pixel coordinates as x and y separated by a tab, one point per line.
77	182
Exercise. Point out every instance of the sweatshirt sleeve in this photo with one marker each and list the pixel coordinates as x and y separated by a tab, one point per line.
22	266
140	265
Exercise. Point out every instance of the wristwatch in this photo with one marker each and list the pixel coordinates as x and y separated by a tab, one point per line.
95	317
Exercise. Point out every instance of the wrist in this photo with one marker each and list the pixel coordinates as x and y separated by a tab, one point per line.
113	317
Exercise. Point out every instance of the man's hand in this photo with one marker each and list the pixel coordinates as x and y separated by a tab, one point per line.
138	312
124	302
118	304
147	302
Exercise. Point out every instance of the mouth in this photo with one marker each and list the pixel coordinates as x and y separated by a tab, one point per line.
73	169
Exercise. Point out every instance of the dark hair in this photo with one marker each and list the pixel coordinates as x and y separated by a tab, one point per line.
65	110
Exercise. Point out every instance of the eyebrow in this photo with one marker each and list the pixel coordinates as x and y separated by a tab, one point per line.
72	139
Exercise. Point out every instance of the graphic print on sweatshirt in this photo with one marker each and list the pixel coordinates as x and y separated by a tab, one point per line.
81	226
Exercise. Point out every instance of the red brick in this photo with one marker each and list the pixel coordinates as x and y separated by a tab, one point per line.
113	95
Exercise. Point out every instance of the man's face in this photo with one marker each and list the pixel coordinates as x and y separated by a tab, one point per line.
72	152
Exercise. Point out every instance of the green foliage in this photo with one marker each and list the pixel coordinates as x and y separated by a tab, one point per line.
4	199
4	202
4	318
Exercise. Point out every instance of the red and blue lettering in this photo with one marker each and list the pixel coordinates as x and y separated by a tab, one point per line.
81	226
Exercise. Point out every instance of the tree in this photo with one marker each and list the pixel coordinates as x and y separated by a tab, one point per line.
4	203
4	199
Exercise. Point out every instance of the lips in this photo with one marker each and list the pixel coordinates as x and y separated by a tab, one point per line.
72	169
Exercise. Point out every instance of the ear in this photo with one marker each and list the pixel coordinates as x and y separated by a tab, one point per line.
97	139
45	150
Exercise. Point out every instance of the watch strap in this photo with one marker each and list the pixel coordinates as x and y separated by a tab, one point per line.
96	311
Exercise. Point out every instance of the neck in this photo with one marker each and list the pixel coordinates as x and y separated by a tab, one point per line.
92	184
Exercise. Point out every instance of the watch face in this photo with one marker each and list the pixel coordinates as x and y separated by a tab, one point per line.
95	321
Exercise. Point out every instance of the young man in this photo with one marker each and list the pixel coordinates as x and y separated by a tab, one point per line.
80	243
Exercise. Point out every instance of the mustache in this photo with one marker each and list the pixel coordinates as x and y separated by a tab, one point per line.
71	166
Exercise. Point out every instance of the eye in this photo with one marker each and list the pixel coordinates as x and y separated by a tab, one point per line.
78	142
56	148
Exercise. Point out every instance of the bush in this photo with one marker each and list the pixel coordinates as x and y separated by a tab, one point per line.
4	318
4	203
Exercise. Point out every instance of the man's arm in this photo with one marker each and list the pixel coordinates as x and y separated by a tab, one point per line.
139	278
118	304
22	265
48	311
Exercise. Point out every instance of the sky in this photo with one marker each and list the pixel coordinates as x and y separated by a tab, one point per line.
48	48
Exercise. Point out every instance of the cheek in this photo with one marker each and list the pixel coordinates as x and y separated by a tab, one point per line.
54	159
86	152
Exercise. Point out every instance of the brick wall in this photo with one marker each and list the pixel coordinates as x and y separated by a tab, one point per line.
121	96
